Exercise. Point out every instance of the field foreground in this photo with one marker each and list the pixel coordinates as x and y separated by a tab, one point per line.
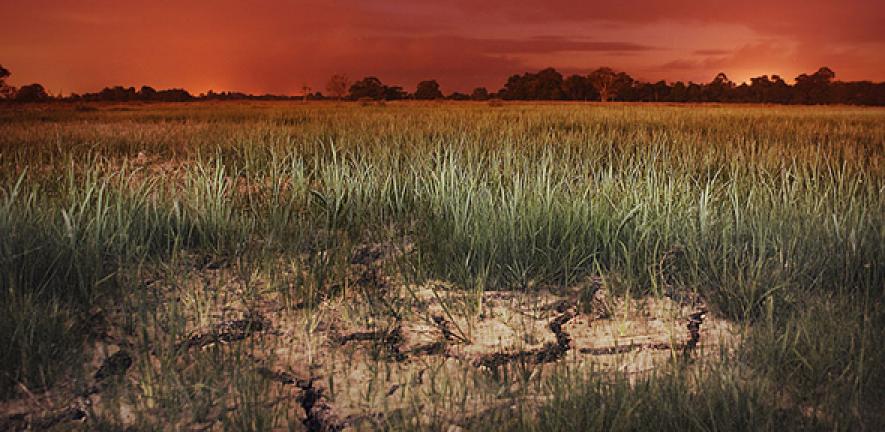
276	266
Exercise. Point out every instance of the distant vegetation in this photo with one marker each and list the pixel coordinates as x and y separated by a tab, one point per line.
603	84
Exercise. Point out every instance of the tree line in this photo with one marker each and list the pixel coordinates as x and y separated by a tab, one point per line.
606	84
603	84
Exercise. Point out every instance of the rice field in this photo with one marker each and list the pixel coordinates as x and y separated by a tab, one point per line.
442	267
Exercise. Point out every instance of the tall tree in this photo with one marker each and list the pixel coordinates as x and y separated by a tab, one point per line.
608	83
338	85
32	93
814	88
719	90
544	85
148	93
761	89
369	88
780	90
577	87
678	92
428	90
547	85
6	91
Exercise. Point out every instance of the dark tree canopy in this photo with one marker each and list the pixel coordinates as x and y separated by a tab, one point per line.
814	88
428	90
609	83
458	96
372	88
394	93
129	94
147	93
543	85
720	89
602	84
606	84
6	91
32	93
577	87
479	93
367	88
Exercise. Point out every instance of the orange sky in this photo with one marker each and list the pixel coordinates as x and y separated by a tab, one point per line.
278	45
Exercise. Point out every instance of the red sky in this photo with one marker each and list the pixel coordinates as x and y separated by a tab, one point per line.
278	45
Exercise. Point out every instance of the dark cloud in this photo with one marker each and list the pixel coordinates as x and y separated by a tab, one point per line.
553	44
846	20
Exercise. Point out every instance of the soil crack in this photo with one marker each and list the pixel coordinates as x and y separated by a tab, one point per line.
226	332
550	352
319	414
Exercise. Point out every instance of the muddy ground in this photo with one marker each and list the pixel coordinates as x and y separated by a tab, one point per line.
379	348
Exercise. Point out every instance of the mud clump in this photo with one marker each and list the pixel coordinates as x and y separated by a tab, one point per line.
226	332
622	349
443	325
320	417
115	365
694	330
550	352
390	340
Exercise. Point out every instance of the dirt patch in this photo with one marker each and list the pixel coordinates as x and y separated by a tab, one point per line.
395	363
344	362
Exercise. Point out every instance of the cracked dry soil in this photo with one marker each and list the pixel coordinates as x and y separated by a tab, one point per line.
347	365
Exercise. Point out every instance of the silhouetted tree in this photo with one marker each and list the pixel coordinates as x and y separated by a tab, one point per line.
780	90
368	87
6	91
858	93
428	90
544	85
678	92
760	89
719	90
113	94
694	92
603	84
577	87
147	93
548	85
174	95
514	88
32	93
814	88
480	94
660	91
650	92
338	85
394	93
609	84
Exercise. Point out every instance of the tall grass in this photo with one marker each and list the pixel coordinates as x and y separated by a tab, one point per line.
767	207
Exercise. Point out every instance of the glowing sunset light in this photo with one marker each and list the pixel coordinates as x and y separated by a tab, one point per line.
275	46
